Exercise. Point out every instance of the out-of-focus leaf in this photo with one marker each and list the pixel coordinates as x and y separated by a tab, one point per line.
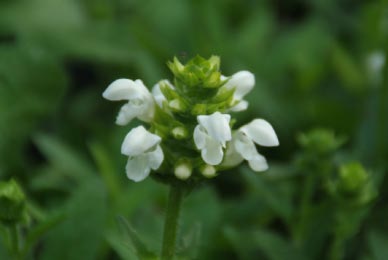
275	247
106	169
279	200
377	242
190	242
83	227
31	85
347	69
203	208
63	157
37	232
132	240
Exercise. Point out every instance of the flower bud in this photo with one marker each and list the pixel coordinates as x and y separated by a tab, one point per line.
320	141
208	171
199	109
179	132
183	170
12	202
177	105
352	177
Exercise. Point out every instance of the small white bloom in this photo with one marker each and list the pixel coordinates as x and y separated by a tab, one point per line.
140	102
144	153
211	135
260	132
157	93
243	82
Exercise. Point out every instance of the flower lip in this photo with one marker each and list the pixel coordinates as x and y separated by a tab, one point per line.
243	81
211	135
139	141
216	126
125	89
261	132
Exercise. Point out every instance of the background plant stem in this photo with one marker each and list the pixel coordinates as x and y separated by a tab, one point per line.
15	243
171	222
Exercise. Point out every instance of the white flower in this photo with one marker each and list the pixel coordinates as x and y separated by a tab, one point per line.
211	135
258	131
157	93
243	82
140	102
144	153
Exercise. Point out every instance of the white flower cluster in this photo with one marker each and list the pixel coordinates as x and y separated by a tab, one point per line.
218	145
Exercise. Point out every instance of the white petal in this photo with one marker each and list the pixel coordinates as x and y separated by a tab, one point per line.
138	141
217	126
245	146
232	157
137	168
241	106
124	89
146	109
155	158
261	132
158	95
212	154
126	114
243	81
199	137
258	163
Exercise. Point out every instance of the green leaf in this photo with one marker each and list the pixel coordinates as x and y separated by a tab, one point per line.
63	157
378	242
106	169
133	241
278	199
82	232
275	247
38	231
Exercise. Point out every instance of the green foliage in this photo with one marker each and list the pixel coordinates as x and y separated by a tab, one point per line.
12	202
322	197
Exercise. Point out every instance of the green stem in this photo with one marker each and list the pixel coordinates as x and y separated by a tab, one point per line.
15	243
171	222
304	208
336	249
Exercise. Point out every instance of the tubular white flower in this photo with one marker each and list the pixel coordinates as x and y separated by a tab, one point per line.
260	132
144	152
243	82
140	102
211	135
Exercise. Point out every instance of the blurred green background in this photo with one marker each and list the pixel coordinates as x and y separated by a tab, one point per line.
318	64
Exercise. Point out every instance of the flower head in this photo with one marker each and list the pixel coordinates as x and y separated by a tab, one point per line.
191	121
211	135
140	101
144	152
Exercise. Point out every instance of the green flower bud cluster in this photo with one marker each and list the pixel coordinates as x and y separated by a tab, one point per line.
319	146
353	185
320	141
12	202
190	134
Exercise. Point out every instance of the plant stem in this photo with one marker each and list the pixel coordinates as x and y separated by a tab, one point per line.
15	243
171	221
